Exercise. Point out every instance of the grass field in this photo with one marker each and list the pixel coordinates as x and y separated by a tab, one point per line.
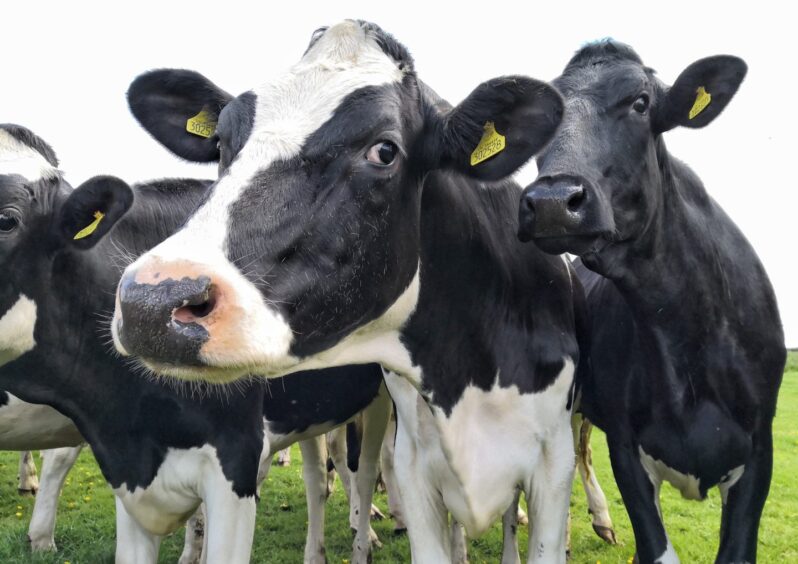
85	529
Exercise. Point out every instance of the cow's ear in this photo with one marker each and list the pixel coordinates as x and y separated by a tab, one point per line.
496	129
92	209
180	109
701	92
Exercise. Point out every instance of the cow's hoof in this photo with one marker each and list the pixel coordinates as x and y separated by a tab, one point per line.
27	491
399	531
607	534
42	545
376	514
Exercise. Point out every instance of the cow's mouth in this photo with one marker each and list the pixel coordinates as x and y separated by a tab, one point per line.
574	244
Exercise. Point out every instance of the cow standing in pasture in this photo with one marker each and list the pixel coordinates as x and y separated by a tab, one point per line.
360	218
687	348
162	450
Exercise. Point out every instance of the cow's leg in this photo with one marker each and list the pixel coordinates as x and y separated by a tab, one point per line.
426	516
134	544
744	501
510	532
230	522
56	463
389	478
314	472
194	539
596	500
640	494
459	546
548	496
336	448
284	457
28	480
375	420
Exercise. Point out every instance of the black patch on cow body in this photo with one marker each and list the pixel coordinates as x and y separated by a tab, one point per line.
294	403
4	398
488	304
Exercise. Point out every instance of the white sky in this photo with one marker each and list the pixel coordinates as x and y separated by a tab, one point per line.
65	68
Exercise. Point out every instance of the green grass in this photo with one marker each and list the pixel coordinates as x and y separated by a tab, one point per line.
85	529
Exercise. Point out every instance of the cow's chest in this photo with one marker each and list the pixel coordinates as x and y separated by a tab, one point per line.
181	482
491	442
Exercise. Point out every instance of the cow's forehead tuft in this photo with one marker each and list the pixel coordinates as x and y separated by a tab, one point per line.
23	153
602	52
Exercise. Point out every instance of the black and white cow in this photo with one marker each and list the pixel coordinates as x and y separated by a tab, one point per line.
687	347
353	221
162	450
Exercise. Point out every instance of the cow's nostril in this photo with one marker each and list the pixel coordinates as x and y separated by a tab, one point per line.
528	203
576	199
197	307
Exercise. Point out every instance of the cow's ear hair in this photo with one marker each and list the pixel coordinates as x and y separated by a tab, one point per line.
700	93
180	109
92	209
496	129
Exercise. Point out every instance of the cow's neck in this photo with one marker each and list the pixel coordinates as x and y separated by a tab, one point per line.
484	295
683	278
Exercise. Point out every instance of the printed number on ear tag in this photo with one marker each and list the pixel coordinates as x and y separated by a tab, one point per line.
90	228
492	143
702	100
203	124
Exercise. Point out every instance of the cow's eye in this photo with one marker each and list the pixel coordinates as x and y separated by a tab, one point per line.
7	222
383	153
640	105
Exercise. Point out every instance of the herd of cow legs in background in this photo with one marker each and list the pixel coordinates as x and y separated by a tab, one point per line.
323	458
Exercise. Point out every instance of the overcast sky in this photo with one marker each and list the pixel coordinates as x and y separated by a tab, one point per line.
66	68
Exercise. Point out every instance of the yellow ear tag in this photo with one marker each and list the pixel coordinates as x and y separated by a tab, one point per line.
90	228
492	143
702	100
203	124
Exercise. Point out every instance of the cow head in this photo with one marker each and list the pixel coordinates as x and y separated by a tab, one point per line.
600	178
309	241
40	215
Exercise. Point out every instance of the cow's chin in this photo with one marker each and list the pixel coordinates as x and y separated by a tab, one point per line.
224	373
574	244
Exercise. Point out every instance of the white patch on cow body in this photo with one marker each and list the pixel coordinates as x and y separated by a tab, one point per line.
669	556
27	426
489	444
16	329
18	158
288	110
177	489
657	471
729	480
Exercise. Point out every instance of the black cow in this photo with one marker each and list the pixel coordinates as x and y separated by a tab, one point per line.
687	347
359	218
162	450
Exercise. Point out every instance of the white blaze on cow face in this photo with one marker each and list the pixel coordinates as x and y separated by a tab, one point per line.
18	158
288	110
16	329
